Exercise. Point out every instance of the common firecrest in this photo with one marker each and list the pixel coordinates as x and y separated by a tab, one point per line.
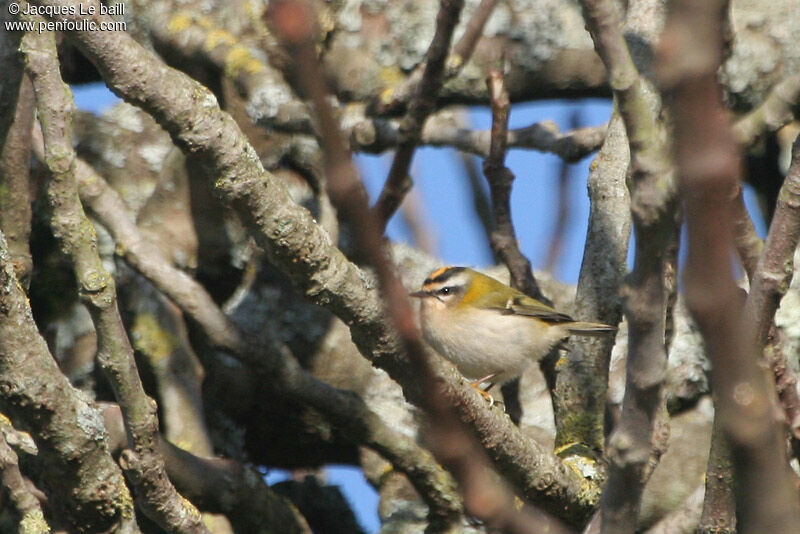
489	330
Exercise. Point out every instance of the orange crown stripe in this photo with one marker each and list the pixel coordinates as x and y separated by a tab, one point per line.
438	272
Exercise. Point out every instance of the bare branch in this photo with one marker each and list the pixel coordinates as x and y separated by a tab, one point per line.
708	161
37	397
15	201
653	203
769	284
398	182
159	499
446	129
774	271
396	100
777	110
25	505
580	387
218	485
503	238
450	438
186	34
463	49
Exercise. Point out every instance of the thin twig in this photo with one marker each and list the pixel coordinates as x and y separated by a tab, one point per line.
502	238
463	49
444	128
777	110
24	504
398	182
396	101
500	178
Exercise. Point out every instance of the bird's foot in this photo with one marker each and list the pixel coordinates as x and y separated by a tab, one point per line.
484	392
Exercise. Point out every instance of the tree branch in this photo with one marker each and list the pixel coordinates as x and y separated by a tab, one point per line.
218	485
37	397
503	238
396	100
708	162
142	462
630	448
450	439
444	128
15	201
777	110
773	273
398	182
771	280
25	505
186	34
579	393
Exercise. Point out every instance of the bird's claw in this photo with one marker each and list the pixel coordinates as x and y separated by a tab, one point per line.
485	394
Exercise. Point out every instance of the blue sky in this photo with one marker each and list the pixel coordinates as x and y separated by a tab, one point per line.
446	204
439	177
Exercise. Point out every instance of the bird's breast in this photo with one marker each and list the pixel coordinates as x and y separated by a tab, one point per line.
482	342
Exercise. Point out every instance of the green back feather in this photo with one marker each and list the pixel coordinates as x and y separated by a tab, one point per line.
490	294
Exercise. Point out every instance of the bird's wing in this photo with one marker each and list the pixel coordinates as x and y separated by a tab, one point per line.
525	305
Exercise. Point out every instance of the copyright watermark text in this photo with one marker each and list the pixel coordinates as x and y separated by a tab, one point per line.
68	18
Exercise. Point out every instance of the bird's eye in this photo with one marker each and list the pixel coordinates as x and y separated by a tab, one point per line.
445	290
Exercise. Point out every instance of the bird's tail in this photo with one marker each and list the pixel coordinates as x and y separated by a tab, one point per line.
580	328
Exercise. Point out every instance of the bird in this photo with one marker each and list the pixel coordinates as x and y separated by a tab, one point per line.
491	331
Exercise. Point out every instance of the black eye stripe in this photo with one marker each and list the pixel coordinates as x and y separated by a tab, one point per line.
442	275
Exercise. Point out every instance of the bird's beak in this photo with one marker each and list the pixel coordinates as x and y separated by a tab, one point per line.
419	294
